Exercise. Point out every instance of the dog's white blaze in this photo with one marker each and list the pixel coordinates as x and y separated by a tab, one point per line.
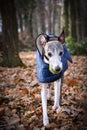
55	60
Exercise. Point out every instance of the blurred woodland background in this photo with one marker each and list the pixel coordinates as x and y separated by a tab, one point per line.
21	21
20	92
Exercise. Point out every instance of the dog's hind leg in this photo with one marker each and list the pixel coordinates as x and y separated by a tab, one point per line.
57	88
44	104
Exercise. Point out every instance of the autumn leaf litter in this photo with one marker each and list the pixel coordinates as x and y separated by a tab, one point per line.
20	99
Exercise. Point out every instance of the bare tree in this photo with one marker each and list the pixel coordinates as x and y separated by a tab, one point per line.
10	34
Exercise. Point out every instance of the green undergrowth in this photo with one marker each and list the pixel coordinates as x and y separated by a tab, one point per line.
76	48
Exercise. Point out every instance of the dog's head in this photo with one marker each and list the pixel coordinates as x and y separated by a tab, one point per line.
51	50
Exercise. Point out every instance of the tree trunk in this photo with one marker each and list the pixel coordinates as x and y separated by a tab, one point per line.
41	13
84	16
30	23
35	24
10	34
50	16
53	16
75	12
20	22
73	18
26	22
66	16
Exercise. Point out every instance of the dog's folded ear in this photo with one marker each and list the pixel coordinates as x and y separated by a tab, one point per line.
41	40
61	37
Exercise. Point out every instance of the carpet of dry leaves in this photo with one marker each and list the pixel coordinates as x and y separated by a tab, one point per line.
20	100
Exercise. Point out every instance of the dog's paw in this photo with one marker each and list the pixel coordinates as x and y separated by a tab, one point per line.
46	122
59	109
55	107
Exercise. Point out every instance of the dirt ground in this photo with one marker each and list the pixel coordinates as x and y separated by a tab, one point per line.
20	99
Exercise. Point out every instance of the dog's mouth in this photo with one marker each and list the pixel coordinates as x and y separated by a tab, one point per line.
53	71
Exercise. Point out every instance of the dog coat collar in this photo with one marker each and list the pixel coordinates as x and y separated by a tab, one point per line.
43	73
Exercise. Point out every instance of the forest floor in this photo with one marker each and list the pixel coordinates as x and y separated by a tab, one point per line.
20	99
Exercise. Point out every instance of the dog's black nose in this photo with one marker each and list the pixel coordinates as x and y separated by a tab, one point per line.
57	68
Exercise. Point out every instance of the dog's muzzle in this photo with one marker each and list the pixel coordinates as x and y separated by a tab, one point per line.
54	71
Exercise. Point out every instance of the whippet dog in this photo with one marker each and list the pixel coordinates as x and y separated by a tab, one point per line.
52	56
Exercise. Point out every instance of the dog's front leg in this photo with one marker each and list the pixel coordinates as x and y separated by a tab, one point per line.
44	104
57	87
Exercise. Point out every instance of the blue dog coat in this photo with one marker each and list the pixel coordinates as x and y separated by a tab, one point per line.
44	75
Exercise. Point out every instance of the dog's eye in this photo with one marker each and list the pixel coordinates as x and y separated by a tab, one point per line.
49	54
60	53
